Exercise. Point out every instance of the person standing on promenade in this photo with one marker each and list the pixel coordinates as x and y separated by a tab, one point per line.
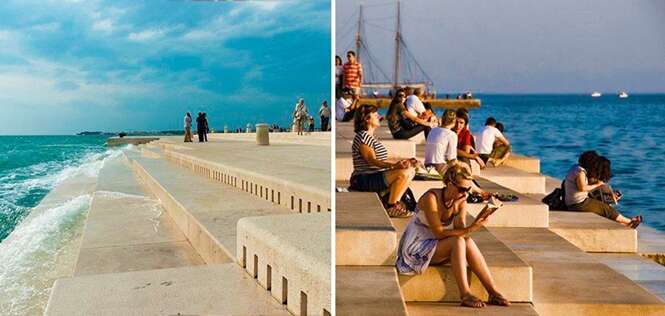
372	172
200	127
300	115
427	241
402	123
339	77
353	73
441	147
188	128
591	173
206	128
465	149
324	114
486	139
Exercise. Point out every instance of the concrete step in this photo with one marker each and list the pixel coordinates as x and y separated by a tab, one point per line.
396	148
512	276
368	291
218	289
427	309
298	180
593	233
205	210
515	179
127	231
567	281
526	212
524	163
641	270
364	234
289	255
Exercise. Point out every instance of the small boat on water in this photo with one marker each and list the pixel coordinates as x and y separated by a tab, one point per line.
596	94
623	94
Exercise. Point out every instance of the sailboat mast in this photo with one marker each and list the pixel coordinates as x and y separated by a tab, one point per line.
397	49
358	40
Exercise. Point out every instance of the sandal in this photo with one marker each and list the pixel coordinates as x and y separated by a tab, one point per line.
636	221
470	300
497	299
397	210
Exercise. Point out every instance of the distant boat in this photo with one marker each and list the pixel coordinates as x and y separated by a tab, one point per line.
623	94
596	94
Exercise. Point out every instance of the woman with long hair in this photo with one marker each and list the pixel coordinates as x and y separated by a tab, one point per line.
427	241
592	172
402	123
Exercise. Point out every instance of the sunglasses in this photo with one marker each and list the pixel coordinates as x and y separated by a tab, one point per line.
461	189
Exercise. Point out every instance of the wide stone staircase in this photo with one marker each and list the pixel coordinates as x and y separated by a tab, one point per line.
180	229
545	262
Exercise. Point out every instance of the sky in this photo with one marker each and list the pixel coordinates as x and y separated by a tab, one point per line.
511	46
70	65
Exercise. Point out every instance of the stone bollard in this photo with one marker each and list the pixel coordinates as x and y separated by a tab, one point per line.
262	134
249	128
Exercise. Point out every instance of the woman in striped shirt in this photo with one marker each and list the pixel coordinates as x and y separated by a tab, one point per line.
372	172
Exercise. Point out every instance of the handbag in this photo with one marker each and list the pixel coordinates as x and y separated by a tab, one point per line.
556	200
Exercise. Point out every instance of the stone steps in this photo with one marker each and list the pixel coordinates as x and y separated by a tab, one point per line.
368	291
568	281
592	233
217	289
289	255
427	309
127	231
515	179
364	234
511	274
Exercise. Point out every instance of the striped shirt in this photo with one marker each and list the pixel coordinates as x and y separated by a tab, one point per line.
352	73
360	165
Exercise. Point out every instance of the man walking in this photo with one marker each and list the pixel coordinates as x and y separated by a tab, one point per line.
324	114
188	128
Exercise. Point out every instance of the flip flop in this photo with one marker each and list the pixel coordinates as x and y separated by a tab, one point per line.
498	300
635	222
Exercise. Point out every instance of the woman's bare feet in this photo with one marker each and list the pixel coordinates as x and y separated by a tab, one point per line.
469	300
497	299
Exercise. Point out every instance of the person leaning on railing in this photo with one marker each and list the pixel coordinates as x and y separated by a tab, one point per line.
372	172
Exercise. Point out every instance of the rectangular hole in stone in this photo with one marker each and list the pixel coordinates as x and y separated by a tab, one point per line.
309	207
300	205
272	196
303	304
292	204
266	194
268	277
261	192
285	290
256	189
244	257
256	267
318	208
279	197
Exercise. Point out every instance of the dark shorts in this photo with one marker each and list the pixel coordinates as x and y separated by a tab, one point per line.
484	157
369	182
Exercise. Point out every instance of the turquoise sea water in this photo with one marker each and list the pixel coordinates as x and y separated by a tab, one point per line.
557	128
30	166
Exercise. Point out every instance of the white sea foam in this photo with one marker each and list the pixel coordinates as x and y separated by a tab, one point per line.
42	248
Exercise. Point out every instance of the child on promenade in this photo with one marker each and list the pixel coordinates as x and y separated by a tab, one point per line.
426	240
590	173
372	172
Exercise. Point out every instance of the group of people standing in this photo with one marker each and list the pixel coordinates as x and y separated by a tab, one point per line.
202	127
302	121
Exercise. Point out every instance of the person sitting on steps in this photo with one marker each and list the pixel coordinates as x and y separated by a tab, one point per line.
402	123
372	172
427	241
590	173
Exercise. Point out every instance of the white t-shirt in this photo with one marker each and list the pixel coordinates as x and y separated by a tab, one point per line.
441	146
340	108
414	105
486	138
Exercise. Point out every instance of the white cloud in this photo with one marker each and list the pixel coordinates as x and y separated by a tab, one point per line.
104	25
146	35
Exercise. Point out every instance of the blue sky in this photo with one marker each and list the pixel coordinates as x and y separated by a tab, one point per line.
516	46
68	65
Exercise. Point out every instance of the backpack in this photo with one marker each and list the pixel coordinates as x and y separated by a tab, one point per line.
556	200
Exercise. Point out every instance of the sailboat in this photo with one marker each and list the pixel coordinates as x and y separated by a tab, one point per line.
377	81
623	94
596	94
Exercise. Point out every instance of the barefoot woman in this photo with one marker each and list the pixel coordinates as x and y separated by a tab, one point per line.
426	240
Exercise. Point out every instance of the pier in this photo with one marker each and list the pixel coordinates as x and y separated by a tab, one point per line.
225	227
545	262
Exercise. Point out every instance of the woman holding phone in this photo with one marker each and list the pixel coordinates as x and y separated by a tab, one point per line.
426	239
